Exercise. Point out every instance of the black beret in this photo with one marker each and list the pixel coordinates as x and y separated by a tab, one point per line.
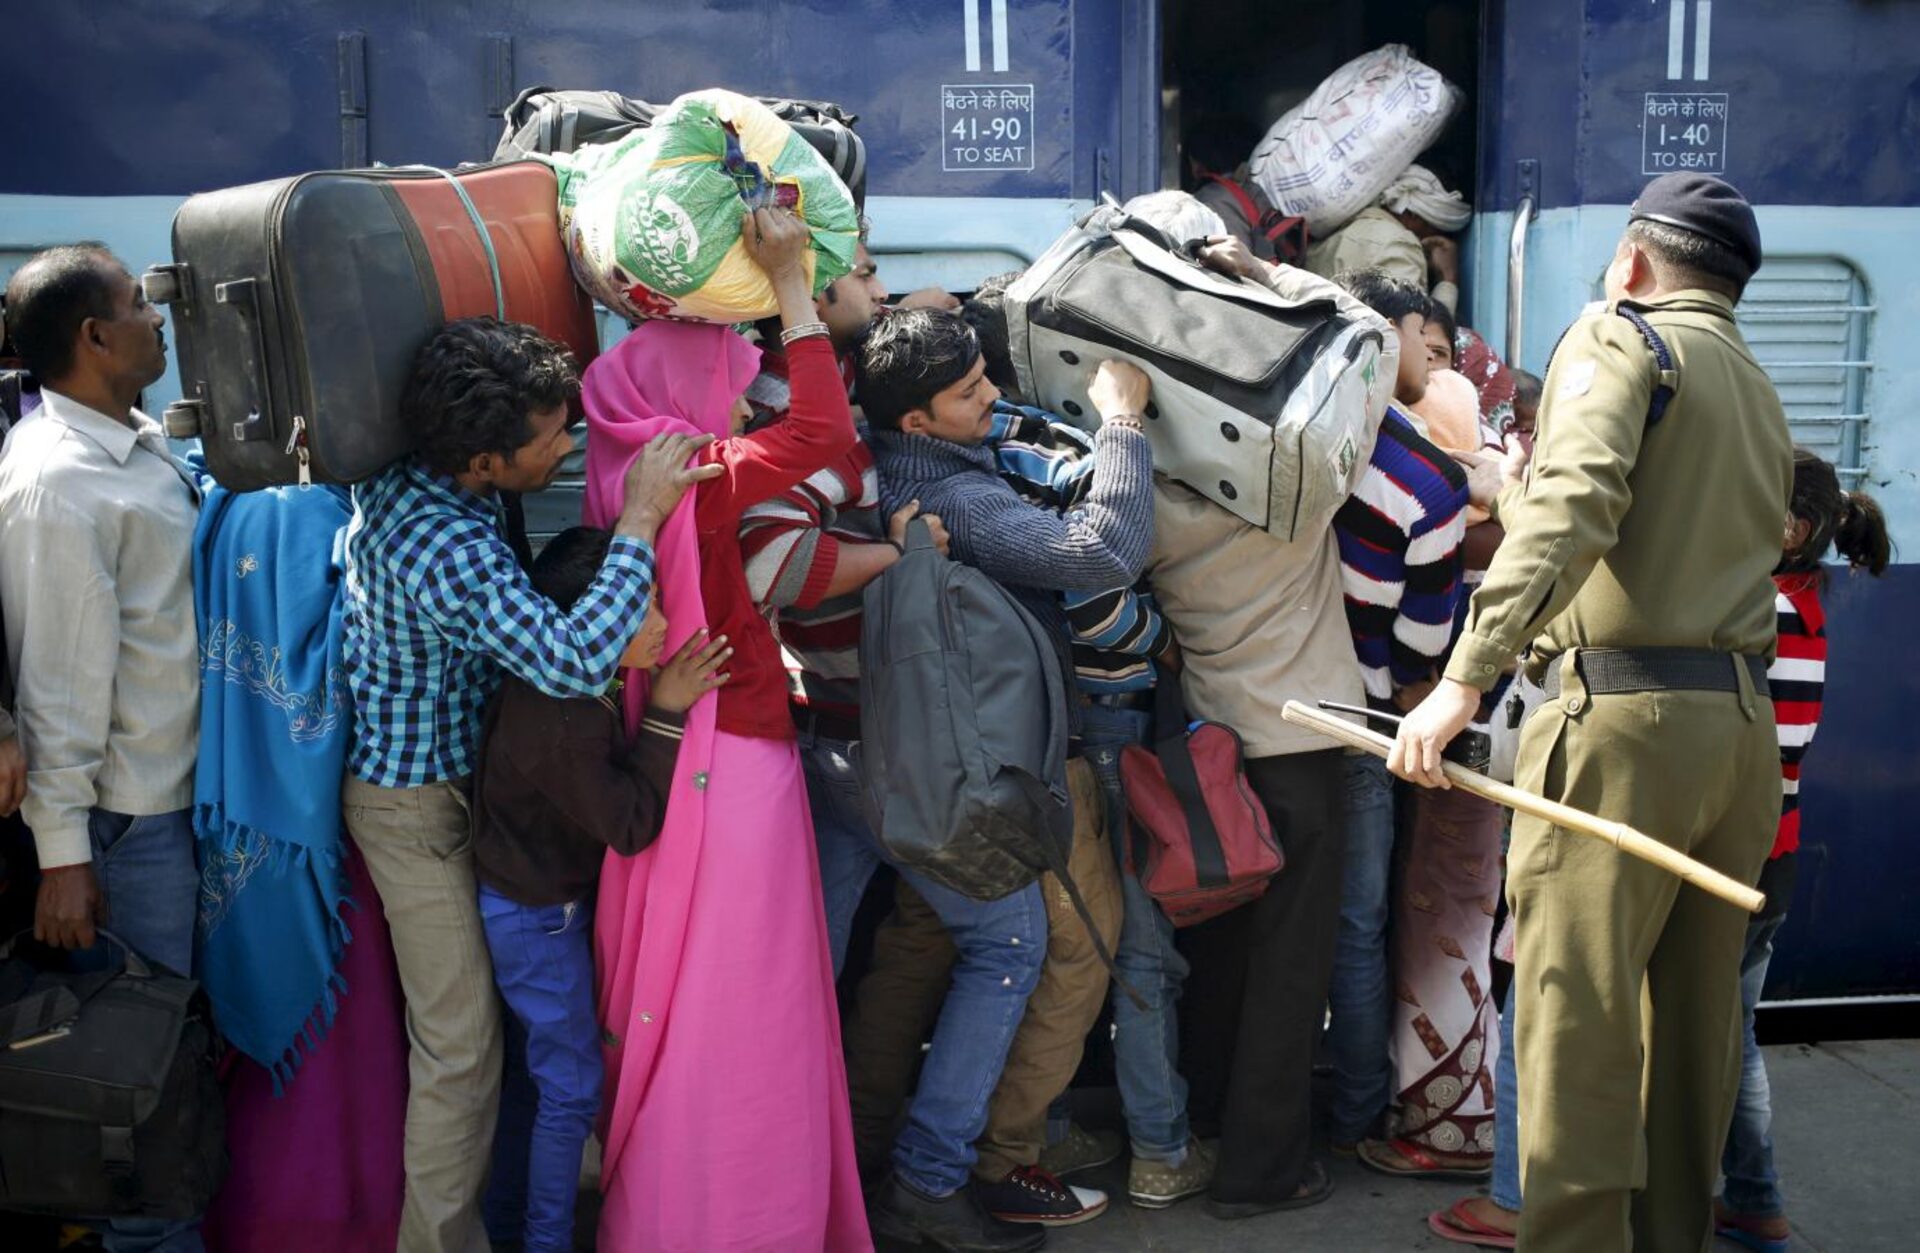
1705	205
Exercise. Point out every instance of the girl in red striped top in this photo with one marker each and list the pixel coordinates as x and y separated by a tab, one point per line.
1751	1212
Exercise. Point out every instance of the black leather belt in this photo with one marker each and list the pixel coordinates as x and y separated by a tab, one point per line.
1612	671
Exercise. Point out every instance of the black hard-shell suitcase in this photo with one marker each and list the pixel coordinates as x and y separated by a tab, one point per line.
298	306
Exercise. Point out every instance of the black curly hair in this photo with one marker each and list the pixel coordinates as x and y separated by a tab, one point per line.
475	387
906	358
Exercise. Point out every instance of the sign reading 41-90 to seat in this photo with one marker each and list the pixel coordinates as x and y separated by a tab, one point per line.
986	127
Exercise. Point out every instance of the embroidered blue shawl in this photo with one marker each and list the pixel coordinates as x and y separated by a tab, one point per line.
275	718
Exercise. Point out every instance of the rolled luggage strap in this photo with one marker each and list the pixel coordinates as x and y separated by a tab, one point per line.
1613	671
479	229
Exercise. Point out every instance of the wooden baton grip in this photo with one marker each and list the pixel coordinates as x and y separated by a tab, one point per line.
1618	834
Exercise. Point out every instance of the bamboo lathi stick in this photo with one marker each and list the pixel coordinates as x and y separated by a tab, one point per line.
1618	834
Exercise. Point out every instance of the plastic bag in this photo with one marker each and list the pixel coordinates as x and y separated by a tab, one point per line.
653	219
1333	154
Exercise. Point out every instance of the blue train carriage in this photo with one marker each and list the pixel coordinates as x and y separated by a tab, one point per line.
992	123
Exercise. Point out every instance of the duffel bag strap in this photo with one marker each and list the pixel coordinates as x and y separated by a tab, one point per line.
1176	760
116	1156
130	960
1057	866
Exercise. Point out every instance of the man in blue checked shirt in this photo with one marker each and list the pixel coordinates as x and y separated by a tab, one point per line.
437	610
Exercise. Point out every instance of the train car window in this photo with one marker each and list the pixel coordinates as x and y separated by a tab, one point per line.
1808	321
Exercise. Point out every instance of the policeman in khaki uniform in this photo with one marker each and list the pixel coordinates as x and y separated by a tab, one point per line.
1636	565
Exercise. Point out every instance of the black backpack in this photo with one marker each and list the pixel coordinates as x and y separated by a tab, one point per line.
545	120
963	721
109	1106
963	733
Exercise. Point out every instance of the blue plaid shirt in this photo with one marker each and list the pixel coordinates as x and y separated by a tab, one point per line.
437	607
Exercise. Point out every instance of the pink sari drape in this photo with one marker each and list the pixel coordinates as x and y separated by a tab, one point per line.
725	1120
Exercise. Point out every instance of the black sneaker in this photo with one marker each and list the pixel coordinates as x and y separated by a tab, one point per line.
1029	1194
956	1223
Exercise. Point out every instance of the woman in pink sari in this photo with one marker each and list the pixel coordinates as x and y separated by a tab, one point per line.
725	1119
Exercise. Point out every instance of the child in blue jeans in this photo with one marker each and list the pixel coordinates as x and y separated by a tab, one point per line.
559	784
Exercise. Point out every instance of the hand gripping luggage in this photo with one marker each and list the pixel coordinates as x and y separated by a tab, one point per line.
1266	396
545	121
298	306
108	1102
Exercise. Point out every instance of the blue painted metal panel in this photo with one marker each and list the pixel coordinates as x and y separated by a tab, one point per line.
1852	932
1823	96
185	95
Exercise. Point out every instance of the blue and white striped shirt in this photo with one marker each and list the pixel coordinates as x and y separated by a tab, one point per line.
1115	633
437	608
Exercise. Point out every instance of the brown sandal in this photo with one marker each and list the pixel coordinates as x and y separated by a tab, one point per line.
1425	1164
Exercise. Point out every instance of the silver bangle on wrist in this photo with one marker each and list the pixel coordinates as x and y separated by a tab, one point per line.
802	331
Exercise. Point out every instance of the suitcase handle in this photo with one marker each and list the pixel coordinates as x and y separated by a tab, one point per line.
131	962
242	295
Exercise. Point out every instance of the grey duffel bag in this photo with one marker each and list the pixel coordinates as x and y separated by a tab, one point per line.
1266	396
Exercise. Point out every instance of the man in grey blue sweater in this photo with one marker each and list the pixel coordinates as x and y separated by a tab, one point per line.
921	380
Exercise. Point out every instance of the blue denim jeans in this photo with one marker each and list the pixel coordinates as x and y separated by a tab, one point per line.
148	878
543	965
1361	995
1146	1041
1753	1186
1506	1115
848	852
1002	945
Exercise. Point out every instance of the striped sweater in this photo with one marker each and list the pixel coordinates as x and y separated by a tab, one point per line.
1796	681
790	545
1118	632
1400	567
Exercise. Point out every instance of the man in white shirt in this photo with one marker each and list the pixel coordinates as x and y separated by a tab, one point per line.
96	545
96	563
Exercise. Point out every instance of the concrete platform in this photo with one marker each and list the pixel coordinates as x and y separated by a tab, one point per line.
1846	1139
1846	1131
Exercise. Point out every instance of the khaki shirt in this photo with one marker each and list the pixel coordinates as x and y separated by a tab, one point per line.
1260	621
96	578
1621	536
1376	240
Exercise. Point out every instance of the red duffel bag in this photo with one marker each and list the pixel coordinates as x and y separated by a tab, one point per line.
1201	841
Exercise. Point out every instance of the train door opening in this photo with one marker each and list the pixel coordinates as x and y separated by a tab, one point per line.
1230	68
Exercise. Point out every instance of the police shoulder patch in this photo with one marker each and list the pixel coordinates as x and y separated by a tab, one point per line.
1576	379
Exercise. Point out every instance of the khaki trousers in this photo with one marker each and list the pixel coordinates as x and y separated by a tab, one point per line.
912	961
1625	1102
1066	1002
418	848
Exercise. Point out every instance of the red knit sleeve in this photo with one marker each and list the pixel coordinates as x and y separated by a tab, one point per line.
817	430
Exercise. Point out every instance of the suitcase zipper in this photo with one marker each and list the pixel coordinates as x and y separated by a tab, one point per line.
297	449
